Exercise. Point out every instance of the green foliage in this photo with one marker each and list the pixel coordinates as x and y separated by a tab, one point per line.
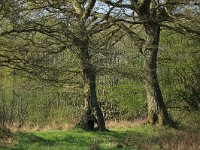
129	98
28	102
179	75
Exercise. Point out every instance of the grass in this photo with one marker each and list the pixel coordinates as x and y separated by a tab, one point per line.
140	137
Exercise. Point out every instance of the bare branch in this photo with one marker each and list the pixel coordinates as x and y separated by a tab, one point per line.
138	41
120	5
88	9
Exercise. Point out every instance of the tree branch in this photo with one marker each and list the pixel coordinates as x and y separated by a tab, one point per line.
138	41
88	9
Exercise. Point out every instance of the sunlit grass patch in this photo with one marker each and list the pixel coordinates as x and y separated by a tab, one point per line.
144	137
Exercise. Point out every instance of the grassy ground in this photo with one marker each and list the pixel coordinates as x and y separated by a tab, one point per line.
140	137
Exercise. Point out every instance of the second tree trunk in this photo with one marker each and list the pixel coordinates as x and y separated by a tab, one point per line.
157	112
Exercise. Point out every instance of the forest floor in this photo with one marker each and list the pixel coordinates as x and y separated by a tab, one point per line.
141	137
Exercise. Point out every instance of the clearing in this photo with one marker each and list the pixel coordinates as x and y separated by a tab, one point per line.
140	137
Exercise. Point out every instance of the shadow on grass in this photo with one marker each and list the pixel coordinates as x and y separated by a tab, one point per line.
126	140
31	141
139	138
25	139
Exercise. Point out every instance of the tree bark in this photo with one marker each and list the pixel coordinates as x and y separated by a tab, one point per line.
157	112
92	113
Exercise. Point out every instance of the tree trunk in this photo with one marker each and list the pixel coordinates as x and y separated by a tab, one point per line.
157	112
93	113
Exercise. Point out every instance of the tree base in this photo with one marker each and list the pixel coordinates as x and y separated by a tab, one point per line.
157	119
88	122
6	136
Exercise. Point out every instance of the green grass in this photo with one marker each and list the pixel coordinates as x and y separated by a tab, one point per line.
143	137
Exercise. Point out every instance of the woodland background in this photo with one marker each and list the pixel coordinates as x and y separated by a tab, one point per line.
41	82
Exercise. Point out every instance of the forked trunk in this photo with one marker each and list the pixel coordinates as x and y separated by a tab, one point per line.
157	112
93	113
